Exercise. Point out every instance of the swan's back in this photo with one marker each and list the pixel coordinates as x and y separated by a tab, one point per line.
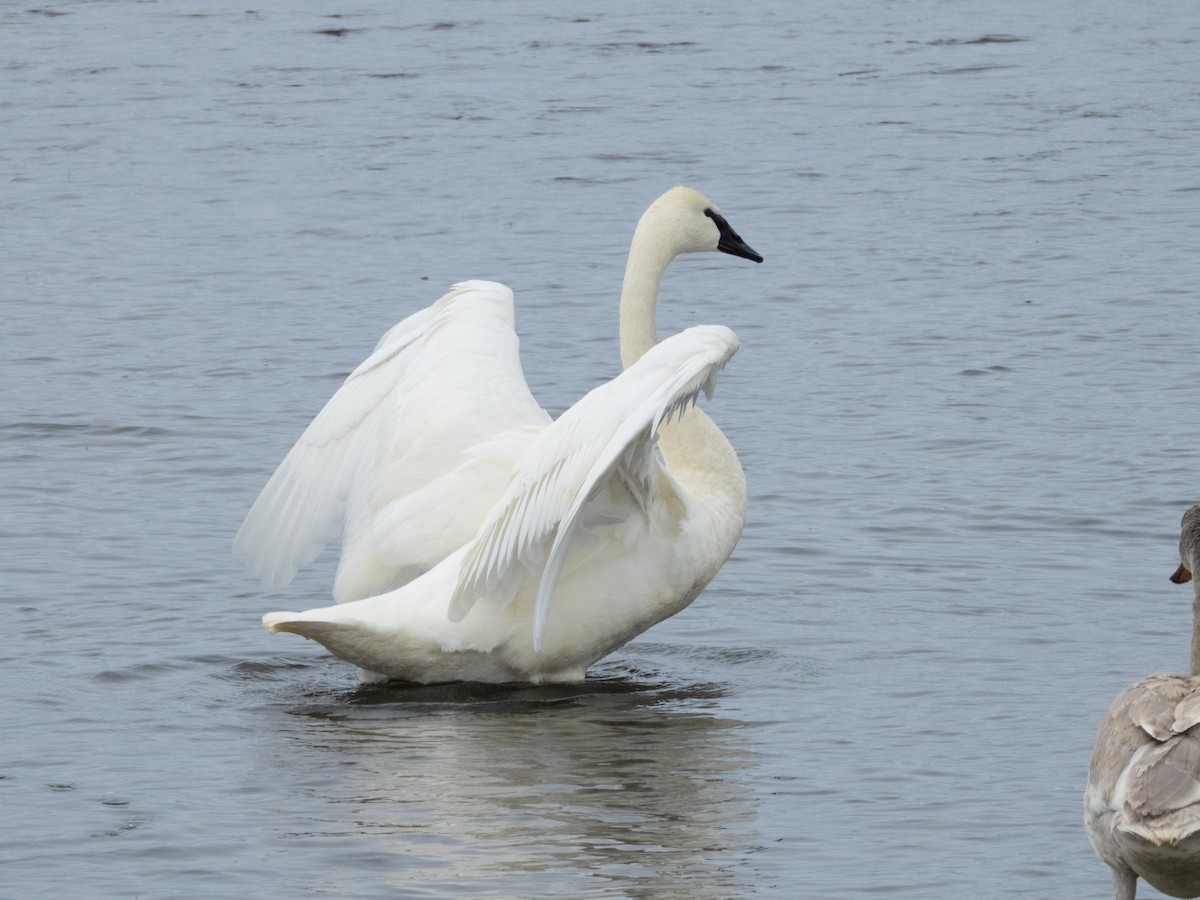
1142	805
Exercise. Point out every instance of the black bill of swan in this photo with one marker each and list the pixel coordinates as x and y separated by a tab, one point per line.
731	242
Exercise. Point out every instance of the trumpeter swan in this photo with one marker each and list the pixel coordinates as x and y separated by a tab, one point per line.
1142	805
482	541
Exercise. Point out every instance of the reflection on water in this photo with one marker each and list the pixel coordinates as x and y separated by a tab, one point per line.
618	782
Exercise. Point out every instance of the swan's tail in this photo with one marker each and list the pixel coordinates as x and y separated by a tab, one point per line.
342	635
339	637
285	621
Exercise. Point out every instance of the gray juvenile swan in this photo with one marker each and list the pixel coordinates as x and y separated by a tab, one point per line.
1142	804
480	540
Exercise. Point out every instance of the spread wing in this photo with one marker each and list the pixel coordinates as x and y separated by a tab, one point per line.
605	440
431	422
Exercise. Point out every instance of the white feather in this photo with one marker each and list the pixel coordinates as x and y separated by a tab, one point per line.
607	437
407	456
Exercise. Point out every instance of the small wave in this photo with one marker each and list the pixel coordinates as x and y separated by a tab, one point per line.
19	430
137	672
986	39
275	669
648	46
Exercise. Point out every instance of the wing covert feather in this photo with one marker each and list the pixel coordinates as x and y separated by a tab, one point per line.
1147	756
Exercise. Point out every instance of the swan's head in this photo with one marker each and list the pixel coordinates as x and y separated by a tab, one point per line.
1189	546
688	222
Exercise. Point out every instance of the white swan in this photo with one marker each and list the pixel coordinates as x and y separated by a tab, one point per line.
510	547
1142	805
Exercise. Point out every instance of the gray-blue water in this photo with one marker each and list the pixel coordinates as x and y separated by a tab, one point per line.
964	401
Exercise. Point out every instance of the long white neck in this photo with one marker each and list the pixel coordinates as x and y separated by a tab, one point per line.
696	452
649	257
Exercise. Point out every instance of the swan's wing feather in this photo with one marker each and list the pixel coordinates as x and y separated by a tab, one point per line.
1146	754
608	435
1162	800
1151	704
1187	713
1158	790
439	383
301	507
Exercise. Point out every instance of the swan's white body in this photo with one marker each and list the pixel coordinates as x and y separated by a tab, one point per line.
480	540
1142	804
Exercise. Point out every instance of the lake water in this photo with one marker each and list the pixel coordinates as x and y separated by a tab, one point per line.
964	403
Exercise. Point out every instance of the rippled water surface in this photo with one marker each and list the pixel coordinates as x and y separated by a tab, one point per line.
964	403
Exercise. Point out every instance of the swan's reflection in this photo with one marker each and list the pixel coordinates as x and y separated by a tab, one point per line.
618	783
